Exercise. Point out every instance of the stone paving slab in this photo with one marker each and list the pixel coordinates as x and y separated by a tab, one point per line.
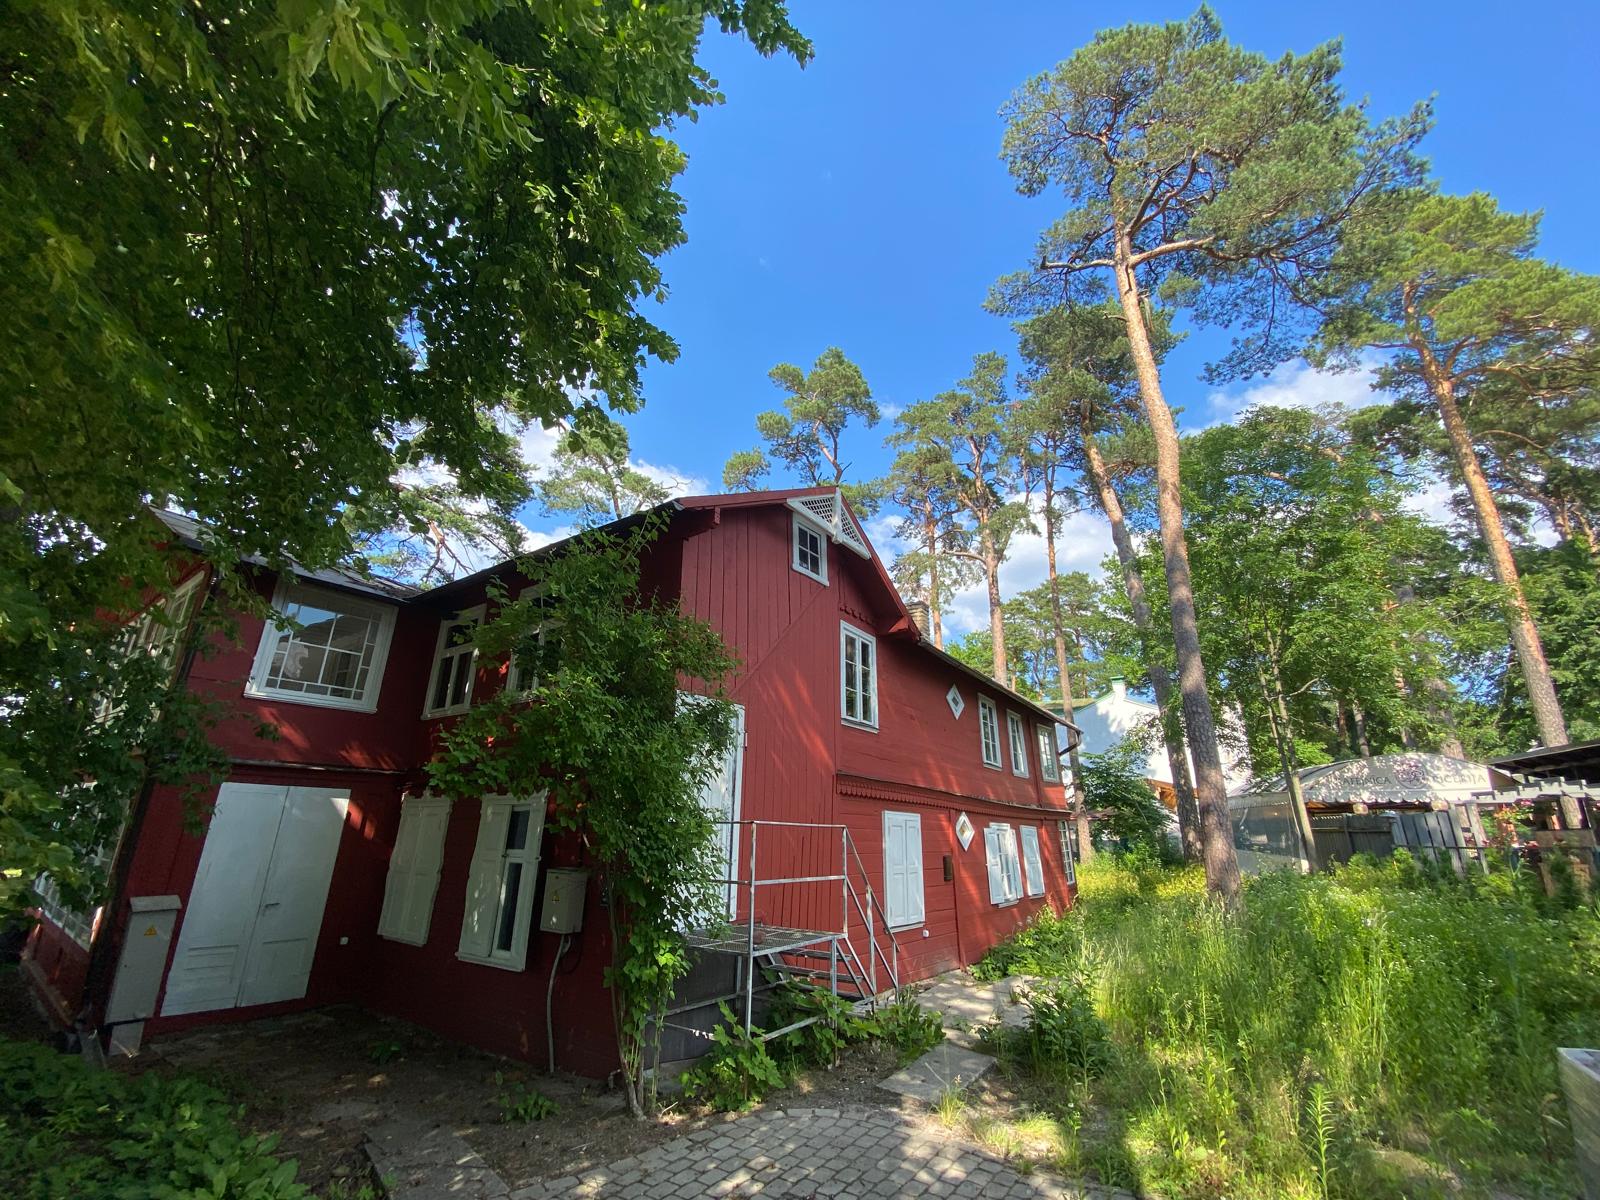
847	1153
965	1003
946	1067
417	1161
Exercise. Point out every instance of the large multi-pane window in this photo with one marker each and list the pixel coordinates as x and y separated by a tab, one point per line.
325	648
858	676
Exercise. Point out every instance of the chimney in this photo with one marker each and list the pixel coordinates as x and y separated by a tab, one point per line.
919	613
1119	687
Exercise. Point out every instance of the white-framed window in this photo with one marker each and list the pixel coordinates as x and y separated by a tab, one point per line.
1032	861
858	676
78	924
1049	759
956	703
1064	829
1019	744
414	864
330	651
455	665
500	882
157	631
1005	866
989	731
902	869
522	678
810	550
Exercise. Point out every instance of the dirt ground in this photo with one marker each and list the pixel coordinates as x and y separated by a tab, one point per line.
319	1080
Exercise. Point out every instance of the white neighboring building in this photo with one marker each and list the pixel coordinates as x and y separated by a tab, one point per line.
1106	721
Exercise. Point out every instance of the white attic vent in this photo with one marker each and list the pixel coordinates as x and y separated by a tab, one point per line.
828	511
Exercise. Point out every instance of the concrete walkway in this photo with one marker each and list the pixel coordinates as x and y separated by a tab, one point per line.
849	1153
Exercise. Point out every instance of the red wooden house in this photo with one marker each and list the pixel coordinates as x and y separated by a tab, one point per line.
890	812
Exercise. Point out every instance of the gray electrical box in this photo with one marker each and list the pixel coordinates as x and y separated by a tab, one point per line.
564	889
139	968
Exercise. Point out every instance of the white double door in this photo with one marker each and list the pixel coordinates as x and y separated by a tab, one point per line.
250	927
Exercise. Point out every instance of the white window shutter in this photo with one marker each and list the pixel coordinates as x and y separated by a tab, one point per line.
483	880
413	879
997	877
915	911
1013	864
1031	862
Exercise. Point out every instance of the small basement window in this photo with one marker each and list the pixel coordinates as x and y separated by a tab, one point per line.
1019	744
989	731
858	676
810	550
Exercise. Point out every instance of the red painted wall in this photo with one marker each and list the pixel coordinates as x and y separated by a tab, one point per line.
801	764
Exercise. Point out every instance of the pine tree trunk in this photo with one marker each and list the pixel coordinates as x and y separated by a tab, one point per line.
1524	634
1211	792
1144	623
1058	628
930	531
997	626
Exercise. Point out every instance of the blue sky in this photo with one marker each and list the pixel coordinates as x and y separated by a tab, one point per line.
860	202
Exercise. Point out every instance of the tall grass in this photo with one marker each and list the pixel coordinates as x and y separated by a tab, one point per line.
1375	1032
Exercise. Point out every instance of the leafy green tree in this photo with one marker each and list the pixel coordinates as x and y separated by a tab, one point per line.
622	755
1297	538
807	434
265	259
1127	815
592	475
1476	331
959	438
1192	164
1564	594
932	568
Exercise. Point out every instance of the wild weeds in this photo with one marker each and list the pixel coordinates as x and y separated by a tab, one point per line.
1332	1027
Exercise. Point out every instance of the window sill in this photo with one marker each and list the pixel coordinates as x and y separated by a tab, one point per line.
994	766
456	711
1019	774
499	964
1006	903
868	726
893	928
365	706
404	941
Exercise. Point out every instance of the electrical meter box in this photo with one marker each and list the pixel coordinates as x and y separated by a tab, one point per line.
564	890
139	968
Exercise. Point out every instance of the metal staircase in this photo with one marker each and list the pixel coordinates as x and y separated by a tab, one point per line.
773	944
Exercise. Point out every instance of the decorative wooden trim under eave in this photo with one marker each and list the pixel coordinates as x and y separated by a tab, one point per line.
883	791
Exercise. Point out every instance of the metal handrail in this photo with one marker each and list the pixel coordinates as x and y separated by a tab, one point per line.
863	977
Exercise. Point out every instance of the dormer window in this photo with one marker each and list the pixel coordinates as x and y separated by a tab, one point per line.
329	650
810	550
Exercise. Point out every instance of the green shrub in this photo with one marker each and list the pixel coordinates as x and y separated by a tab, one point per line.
907	1026
521	1103
67	1130
819	1043
1064	1035
737	1071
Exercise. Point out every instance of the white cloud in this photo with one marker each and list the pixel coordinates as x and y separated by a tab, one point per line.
1294	384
